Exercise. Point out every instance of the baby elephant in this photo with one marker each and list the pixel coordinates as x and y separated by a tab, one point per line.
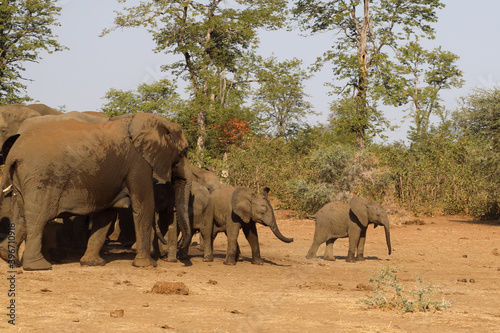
339	220
232	209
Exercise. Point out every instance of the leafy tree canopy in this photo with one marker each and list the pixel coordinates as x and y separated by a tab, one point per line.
366	33
25	31
158	97
280	99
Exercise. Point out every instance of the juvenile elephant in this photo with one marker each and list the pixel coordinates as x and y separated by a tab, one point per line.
199	200
206	178
74	168
340	220
233	209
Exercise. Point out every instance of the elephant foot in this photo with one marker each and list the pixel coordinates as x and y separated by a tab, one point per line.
98	261
208	259
37	265
4	254
350	257
230	262
329	258
311	256
360	257
167	259
144	262
257	261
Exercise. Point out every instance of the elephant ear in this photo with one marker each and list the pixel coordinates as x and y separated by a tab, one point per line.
360	209
160	142
265	192
241	201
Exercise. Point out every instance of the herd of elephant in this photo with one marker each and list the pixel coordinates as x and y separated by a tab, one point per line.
91	166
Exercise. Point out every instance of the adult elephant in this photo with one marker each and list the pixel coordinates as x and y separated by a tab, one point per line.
43	109
233	209
90	117
11	118
73	226
74	168
340	220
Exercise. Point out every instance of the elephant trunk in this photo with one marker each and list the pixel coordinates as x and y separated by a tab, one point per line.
388	237
182	190
278	234
159	233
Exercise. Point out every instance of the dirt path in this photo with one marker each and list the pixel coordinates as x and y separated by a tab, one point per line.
286	294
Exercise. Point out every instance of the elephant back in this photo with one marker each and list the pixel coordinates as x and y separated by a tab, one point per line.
221	199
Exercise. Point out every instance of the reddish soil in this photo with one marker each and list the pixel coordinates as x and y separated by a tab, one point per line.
460	257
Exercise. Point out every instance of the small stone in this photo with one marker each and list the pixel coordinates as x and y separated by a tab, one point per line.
212	282
464	256
472	281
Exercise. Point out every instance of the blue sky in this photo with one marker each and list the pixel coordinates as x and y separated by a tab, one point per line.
78	78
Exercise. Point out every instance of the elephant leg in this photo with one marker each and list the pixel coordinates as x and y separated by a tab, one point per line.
354	233
100	226
172	236
361	246
201	247
207	234
126	226
68	239
9	248
33	259
237	256
143	221
311	254
75	231
252	237
329	249
233	229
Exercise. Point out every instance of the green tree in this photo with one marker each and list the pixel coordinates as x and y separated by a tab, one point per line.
280	98
25	31
478	121
361	44
213	39
158	97
417	79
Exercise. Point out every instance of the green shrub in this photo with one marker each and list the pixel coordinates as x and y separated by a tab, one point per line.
390	294
440	174
263	162
304	197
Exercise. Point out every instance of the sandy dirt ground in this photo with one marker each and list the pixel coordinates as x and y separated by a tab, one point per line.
460	257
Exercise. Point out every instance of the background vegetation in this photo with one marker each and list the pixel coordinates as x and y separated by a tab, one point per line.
246	116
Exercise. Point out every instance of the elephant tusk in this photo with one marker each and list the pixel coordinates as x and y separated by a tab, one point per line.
7	189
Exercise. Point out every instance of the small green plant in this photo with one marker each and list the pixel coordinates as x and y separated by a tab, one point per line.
390	294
